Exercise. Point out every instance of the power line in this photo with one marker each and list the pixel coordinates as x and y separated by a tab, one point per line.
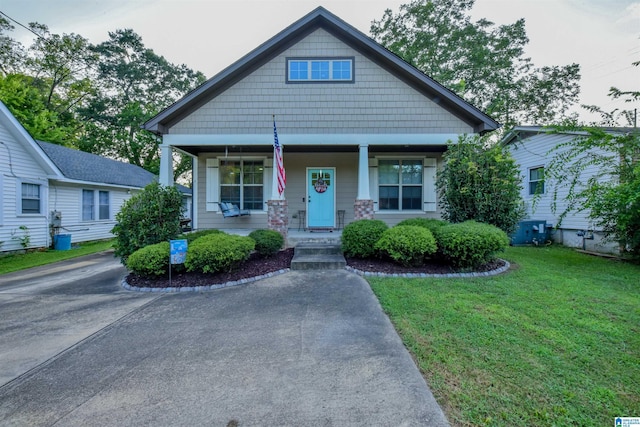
22	25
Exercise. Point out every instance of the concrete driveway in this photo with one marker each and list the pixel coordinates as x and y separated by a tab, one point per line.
303	348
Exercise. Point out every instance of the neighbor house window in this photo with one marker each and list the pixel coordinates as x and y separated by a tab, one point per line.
30	198
88	205
400	184
103	206
536	180
320	70
242	183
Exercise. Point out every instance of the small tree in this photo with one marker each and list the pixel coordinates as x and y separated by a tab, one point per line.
480	183
150	217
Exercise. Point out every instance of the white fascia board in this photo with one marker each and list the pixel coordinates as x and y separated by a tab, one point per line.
93	183
321	139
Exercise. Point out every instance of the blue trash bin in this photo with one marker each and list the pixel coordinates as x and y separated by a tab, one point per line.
62	242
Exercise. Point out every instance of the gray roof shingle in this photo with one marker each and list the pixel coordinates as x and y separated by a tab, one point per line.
83	166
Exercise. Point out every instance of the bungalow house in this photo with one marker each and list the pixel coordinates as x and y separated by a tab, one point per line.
44	184
533	147
362	132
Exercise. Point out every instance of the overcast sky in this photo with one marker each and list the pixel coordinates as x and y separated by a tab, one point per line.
603	36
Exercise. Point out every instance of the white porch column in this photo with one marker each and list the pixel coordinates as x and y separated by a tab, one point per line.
166	165
363	173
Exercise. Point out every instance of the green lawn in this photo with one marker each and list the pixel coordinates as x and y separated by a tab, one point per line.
553	342
18	262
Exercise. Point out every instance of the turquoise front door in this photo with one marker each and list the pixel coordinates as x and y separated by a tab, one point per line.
321	190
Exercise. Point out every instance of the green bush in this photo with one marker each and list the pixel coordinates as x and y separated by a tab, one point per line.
408	245
481	183
152	260
431	224
190	237
470	244
268	242
359	237
218	252
151	216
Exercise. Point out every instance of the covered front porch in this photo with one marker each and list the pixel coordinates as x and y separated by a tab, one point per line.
295	236
337	181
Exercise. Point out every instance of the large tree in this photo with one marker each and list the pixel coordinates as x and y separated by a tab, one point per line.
134	84
481	62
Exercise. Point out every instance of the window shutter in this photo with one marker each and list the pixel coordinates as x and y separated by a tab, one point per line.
373	182
212	185
429	192
268	176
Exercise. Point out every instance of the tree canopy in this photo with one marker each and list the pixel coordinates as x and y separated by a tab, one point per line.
482	62
65	90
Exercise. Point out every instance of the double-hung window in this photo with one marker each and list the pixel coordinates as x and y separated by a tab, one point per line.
30	198
320	70
536	180
400	184
90	205
242	183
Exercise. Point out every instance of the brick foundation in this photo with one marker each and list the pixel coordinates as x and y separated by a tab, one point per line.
363	209
278	216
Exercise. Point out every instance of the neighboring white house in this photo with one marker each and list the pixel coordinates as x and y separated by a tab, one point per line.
39	178
363	132
531	147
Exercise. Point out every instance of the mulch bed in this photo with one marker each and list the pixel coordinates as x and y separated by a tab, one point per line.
257	266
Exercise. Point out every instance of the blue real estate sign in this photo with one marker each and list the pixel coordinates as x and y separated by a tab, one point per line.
178	251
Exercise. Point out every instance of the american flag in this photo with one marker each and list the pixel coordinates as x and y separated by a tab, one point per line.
277	152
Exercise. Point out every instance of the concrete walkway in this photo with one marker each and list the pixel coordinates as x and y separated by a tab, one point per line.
303	348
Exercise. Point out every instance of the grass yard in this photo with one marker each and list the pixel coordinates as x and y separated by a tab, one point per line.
553	342
16	262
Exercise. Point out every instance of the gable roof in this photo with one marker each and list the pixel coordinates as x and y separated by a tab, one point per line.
320	18
82	166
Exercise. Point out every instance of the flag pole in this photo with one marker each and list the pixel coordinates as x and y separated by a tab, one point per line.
275	195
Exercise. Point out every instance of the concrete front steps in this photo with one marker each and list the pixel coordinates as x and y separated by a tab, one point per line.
317	256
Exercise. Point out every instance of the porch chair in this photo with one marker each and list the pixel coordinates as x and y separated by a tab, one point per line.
230	210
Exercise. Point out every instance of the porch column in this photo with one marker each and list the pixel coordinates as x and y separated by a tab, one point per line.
166	165
363	206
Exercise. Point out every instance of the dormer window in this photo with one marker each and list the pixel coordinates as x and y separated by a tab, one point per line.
333	70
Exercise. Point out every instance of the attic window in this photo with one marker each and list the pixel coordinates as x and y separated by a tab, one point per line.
305	70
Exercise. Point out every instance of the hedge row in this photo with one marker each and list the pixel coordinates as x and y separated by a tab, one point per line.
413	241
209	251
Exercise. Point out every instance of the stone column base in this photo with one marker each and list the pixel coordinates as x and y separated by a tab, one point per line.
363	209
278	216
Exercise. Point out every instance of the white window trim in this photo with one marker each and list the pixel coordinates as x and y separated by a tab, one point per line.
212	180
529	169
43	197
331	61
96	205
429	192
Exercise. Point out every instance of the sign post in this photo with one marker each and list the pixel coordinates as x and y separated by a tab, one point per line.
177	254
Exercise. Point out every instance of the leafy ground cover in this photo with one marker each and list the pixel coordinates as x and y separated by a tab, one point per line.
16	262
554	341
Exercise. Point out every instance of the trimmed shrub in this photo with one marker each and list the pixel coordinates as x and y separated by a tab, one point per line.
470	244
268	242
152	260
359	237
218	252
408	245
190	237
151	216
431	224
